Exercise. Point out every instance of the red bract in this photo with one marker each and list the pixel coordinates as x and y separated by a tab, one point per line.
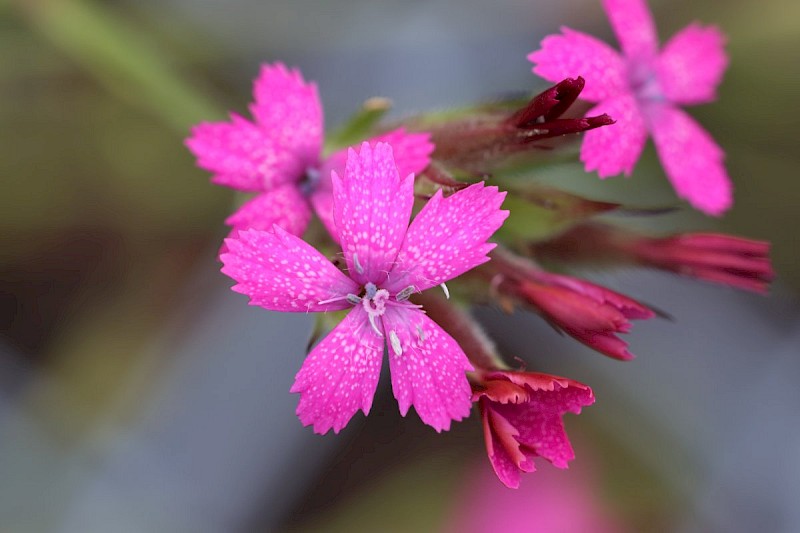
489	138
540	118
522	419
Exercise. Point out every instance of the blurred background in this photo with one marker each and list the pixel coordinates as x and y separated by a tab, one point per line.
138	393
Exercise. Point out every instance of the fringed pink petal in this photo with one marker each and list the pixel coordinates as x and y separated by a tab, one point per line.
243	156
340	375
693	162
615	149
539	421
502	447
289	111
371	208
322	201
576	54
284	206
281	272
633	25
691	65
412	151
448	237
428	368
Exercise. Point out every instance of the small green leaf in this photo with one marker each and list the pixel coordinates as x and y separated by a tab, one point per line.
539	213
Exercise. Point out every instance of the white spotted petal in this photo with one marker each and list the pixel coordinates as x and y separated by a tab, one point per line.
448	237
340	375
371	208
281	272
428	368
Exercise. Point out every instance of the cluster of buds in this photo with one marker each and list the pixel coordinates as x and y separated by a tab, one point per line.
451	172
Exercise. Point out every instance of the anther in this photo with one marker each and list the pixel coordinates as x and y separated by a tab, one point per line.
353	299
370	289
394	340
406	293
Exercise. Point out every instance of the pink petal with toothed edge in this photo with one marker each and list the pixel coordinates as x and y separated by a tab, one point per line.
633	25
505	455
281	272
340	375
243	156
448	237
411	154
614	149
371	209
412	151
692	160
284	206
539	421
290	111
429	372
576	54
322	200
691	65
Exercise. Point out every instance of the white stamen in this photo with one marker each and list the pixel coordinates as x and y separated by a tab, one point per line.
394	340
359	268
374	325
336	299
420	334
406	293
446	291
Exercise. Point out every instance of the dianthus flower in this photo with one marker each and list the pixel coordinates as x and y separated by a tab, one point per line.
642	89
522	419
278	156
387	260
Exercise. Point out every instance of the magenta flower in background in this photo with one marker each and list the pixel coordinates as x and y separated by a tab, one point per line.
522	419
278	156
550	502
642	89
387	261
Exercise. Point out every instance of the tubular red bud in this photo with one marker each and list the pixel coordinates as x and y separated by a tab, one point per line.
734	261
719	258
590	313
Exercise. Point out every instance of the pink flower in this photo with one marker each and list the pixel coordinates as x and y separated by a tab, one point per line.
590	313
387	261
521	414
642	89
278	156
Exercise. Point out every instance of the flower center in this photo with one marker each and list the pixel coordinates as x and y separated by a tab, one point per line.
644	82
309	181
374	300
